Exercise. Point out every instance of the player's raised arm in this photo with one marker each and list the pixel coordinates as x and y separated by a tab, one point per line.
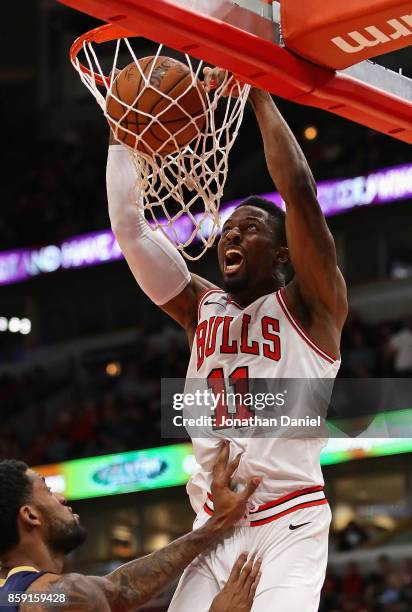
318	282
156	264
136	582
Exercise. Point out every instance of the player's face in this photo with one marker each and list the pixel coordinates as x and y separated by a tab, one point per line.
61	527
247	250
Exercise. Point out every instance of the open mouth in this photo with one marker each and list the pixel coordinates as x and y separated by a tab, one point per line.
233	261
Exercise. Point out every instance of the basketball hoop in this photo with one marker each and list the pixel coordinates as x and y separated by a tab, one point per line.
181	191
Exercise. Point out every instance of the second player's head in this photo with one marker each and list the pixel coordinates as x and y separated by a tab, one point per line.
32	516
252	249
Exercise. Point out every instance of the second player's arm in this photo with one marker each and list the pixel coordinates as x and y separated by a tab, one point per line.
311	245
132	584
135	583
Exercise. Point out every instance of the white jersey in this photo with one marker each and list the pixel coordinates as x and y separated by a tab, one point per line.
266	339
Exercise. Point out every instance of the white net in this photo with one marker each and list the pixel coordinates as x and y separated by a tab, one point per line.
181	176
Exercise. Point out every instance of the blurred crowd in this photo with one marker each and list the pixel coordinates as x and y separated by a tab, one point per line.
60	191
58	194
383	350
93	407
344	149
90	407
386	588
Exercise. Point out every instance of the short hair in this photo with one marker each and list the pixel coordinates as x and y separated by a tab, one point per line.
276	214
15	490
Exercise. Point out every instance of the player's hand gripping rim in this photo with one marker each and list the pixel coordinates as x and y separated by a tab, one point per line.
229	506
239	591
214	78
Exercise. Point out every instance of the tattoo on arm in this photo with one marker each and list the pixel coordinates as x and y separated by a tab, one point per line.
80	593
137	582
132	584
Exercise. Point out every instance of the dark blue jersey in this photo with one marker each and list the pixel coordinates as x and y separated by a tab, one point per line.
18	579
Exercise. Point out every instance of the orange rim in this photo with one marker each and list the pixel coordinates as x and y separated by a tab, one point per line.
102	34
99	35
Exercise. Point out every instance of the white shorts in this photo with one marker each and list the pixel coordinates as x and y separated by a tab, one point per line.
293	568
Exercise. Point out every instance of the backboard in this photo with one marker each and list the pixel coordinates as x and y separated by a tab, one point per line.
245	38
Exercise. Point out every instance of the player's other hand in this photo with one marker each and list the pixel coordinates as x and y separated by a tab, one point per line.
239	591
229	506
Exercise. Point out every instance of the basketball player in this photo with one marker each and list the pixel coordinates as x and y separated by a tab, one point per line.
38	528
256	324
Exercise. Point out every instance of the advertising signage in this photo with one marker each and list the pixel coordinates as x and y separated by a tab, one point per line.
337	196
152	468
170	466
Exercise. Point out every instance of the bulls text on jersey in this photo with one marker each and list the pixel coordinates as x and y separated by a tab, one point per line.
209	342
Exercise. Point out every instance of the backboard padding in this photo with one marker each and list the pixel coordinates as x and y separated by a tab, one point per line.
259	60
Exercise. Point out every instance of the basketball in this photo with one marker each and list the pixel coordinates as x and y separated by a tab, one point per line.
159	103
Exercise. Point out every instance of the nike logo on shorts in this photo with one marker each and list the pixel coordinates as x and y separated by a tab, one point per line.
293	527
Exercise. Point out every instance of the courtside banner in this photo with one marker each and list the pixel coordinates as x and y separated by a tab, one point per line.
141	470
128	474
340	33
63	477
